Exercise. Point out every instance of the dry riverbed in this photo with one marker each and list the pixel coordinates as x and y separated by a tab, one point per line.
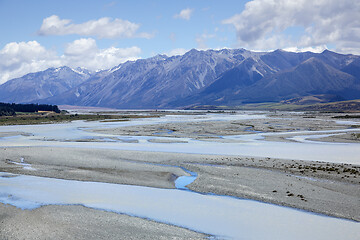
278	123
77	222
326	188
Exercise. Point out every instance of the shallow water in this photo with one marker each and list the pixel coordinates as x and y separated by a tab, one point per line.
182	181
252	145
215	215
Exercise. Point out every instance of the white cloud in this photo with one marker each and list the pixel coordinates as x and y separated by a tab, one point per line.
85	53
263	24
317	49
102	28
18	59
184	14
83	46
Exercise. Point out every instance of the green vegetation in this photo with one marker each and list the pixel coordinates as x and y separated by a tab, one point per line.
6	111
9	109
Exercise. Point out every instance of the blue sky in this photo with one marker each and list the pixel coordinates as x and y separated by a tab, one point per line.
154	17
98	34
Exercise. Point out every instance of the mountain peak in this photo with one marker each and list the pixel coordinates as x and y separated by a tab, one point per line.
159	57
234	75
280	50
56	69
192	51
328	52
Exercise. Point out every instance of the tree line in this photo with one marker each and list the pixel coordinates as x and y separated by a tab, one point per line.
10	109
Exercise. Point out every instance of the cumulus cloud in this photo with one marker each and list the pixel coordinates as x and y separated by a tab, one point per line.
317	49
85	53
102	28
184	14
263	24
18	59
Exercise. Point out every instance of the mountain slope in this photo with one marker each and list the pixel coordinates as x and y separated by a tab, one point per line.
153	82
212	77
312	76
35	86
280	60
245	74
353	69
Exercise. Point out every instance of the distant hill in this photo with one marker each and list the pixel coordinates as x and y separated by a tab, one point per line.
313	99
339	106
228	77
342	106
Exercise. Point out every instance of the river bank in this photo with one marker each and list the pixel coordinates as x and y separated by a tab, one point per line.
327	188
78	222
111	152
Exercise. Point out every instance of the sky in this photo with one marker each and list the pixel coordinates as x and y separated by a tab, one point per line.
100	34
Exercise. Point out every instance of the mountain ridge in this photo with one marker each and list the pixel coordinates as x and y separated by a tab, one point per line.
39	85
211	77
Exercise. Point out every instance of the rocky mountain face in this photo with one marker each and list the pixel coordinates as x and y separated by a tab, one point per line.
153	82
35	86
223	77
283	76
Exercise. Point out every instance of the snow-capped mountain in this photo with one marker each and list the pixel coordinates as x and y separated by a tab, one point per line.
153	82
216	77
35	86
282	75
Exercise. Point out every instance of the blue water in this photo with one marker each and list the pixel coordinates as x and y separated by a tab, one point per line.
215	215
182	181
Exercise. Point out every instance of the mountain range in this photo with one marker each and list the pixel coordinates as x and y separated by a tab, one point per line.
212	77
40	85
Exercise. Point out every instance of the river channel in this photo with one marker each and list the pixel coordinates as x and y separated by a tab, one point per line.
219	216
